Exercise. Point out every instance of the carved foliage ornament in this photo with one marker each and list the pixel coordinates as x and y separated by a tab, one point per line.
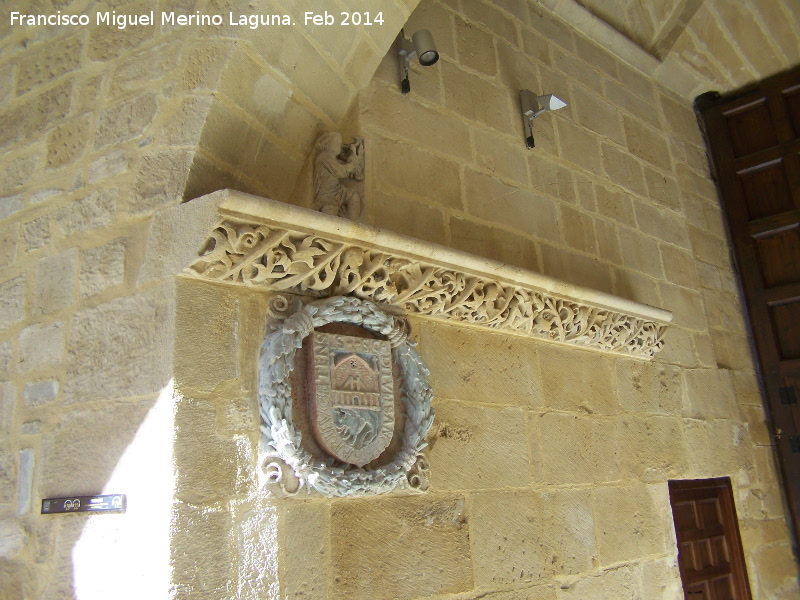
307	263
281	437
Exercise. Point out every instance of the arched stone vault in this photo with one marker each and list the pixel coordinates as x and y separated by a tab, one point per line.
278	88
269	92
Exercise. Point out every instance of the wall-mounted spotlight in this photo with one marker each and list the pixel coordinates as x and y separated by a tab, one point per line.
420	45
532	107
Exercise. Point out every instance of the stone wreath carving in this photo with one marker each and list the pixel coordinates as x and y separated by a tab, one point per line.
334	164
284	260
286	462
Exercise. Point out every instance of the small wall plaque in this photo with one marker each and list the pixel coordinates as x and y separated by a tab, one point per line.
106	503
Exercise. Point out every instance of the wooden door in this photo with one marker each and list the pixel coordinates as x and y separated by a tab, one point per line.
754	138
710	556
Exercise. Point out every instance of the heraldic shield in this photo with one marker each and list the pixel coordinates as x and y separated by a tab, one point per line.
351	396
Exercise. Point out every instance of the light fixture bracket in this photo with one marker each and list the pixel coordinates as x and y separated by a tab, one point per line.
532	106
421	47
407	52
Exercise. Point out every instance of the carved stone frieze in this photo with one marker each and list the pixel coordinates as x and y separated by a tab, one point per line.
280	257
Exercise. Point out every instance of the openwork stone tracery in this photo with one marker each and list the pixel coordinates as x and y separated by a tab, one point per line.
284	259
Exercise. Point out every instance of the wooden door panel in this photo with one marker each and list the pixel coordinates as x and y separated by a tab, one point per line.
790	399
766	189
716	589
750	126
792	169
709	512
685	515
782	294
789	368
778	257
709	549
687	562
786	319
710	557
791	96
772	225
723	588
754	139
698	591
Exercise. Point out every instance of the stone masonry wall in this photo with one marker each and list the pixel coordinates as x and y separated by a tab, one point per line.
560	457
733	44
88	156
103	131
549	465
701	45
537	450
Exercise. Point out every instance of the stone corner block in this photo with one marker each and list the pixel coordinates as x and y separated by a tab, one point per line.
177	235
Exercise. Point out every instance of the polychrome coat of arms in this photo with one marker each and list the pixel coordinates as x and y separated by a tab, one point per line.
351	396
345	402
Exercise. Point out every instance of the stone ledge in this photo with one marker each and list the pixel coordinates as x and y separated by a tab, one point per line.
281	247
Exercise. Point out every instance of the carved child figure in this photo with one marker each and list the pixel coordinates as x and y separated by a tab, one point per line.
336	161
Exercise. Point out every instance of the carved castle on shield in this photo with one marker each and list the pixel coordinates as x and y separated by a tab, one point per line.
351	396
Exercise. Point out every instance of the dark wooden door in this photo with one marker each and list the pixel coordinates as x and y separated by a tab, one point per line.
754	138
710	556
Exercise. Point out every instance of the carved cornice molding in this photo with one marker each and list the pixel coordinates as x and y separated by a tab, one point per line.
281	247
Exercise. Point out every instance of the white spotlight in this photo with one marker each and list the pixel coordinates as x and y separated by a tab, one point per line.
532	106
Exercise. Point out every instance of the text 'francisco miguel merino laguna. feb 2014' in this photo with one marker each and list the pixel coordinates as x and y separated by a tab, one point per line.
172	19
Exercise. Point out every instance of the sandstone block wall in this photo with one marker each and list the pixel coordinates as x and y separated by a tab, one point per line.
615	196
112	373
549	470
691	46
102	133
